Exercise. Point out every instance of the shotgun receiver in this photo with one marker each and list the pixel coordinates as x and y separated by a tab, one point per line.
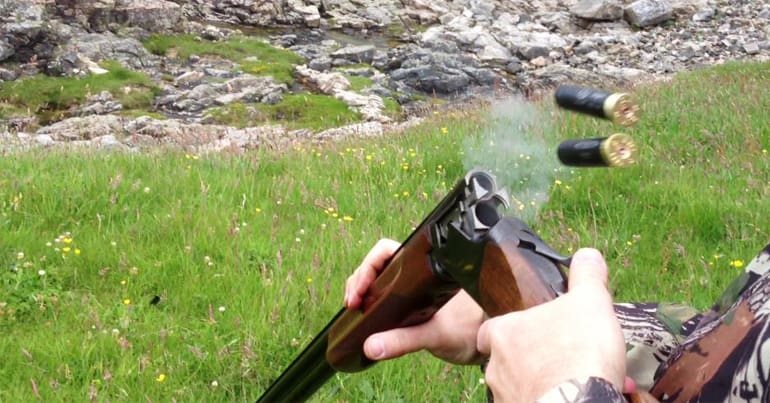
465	242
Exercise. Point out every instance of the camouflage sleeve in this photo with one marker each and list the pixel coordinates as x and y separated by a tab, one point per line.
588	390
652	331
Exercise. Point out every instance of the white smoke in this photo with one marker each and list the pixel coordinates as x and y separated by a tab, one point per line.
514	147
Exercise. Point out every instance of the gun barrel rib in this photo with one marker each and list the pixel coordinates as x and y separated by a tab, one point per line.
306	374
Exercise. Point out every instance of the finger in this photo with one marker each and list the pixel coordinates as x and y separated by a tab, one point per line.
482	338
629	386
397	342
487	331
366	273
380	253
588	268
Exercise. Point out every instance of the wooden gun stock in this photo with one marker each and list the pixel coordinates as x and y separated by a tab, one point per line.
406	293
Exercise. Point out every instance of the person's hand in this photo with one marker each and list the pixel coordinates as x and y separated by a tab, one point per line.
449	335
575	336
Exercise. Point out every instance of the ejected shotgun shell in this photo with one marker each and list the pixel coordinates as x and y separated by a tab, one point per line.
618	107
617	150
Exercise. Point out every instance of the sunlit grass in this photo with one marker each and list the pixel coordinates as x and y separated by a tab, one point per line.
200	277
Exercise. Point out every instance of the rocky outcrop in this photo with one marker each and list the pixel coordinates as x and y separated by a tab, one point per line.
408	49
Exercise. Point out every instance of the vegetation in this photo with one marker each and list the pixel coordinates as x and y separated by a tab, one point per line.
168	276
298	111
51	97
254	55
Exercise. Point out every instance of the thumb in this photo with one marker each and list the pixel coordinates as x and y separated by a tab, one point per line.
395	343
588	268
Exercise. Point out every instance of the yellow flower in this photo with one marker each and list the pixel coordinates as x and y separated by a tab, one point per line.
736	263
77	251
309	279
444	130
66	249
259	210
126	301
161	378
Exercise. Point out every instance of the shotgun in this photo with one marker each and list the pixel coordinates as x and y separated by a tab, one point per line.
465	242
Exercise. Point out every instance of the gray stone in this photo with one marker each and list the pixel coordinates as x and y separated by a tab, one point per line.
355	54
704	15
597	10
644	13
751	48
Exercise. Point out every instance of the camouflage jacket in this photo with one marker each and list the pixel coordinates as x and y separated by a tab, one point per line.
680	355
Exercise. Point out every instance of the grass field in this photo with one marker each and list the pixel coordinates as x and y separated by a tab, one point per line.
169	276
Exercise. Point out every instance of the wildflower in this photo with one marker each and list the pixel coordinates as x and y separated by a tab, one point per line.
482	381
67	240
214	383
41	273
557	182
123	282
737	263
222	309
347	218
161	378
259	210
297	240
66	249
113	244
115	332
444	130
146	190
77	251
20	255
369	157
126	301
309	280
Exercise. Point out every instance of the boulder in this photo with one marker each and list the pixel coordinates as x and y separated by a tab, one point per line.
598	10
644	13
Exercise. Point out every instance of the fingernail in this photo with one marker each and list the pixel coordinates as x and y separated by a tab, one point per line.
376	349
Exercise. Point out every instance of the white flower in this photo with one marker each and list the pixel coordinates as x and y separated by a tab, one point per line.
20	255
222	309
41	272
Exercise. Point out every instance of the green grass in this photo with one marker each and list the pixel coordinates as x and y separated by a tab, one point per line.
248	253
267	60
299	111
51	97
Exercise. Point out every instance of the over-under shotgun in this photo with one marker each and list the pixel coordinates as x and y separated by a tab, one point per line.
465	242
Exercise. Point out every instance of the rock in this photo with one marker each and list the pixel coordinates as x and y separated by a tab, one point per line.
704	15
326	83
355	54
84	128
751	48
597	10
99	104
644	13
6	50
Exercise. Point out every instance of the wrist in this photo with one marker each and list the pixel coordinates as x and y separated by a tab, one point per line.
590	389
